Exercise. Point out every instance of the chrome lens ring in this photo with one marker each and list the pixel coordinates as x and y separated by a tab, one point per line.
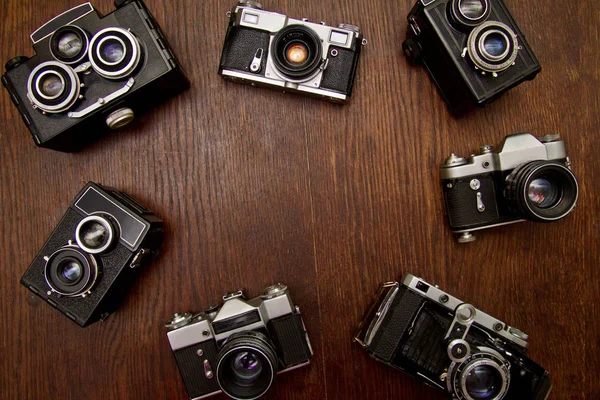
483	58
95	234
62	42
71	284
123	44
468	378
61	101
459	12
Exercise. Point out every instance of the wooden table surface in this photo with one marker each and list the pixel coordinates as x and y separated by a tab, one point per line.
258	187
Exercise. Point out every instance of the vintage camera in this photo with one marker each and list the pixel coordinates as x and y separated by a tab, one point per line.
450	345
91	73
95	253
239	348
529	179
267	49
473	49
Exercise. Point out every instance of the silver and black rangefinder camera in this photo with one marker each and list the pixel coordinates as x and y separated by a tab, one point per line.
449	344
92	258
92	73
263	48
239	348
529	179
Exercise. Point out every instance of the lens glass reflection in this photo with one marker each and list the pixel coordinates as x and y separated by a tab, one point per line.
94	234
246	368
495	44
112	51
296	53
483	382
70	270
472	9
51	85
70	44
543	193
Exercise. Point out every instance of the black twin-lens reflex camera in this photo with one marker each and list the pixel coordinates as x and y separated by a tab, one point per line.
449	344
239	348
91	74
473	49
528	179
263	48
93	256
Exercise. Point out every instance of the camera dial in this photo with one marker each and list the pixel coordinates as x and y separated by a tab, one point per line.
178	320
274	291
250	4
95	234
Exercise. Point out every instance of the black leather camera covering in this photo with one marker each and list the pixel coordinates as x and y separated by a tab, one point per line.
240	48
341	69
289	337
191	367
461	202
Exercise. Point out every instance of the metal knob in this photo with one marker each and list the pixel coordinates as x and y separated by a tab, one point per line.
466	237
549	138
251	4
486	148
453	160
274	291
349	27
119	118
178	320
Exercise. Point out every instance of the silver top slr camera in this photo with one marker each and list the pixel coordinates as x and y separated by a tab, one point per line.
264	48
239	348
529	179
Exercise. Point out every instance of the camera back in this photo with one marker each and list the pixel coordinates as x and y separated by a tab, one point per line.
91	259
92	73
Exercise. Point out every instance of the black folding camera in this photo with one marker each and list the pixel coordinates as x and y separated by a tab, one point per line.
267	49
529	179
450	345
473	49
92	258
91	73
239	348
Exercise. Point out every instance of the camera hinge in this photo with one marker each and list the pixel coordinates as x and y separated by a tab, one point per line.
139	258
414	26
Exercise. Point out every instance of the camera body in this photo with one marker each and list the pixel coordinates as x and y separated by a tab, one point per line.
416	327
92	258
240	347
263	48
473	50
92	73
529	179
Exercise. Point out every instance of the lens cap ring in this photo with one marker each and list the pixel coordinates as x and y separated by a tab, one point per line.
303	38
485	60
95	234
67	97
56	40
77	284
124	42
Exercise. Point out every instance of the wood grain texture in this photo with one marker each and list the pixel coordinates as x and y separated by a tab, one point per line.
258	187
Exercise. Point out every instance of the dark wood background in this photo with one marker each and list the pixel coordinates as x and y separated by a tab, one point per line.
258	187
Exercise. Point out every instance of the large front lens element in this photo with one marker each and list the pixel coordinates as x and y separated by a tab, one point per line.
94	234
493	47
70	271
53	87
495	44
114	53
472	9
297	52
247	364
541	190
483	382
69	44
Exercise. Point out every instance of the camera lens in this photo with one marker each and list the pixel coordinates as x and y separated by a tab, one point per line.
472	9
114	53
541	190
53	87
247	364
483	382
297	52
94	234
70	272
493	46
69	44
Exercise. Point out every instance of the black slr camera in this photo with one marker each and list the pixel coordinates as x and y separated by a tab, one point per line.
239	348
529	179
267	49
450	345
473	49
95	253
91	73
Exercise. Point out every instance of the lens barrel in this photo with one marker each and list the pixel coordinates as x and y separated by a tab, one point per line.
484	375
114	53
53	87
247	364
467	14
69	44
70	271
493	46
297	52
541	190
95	234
